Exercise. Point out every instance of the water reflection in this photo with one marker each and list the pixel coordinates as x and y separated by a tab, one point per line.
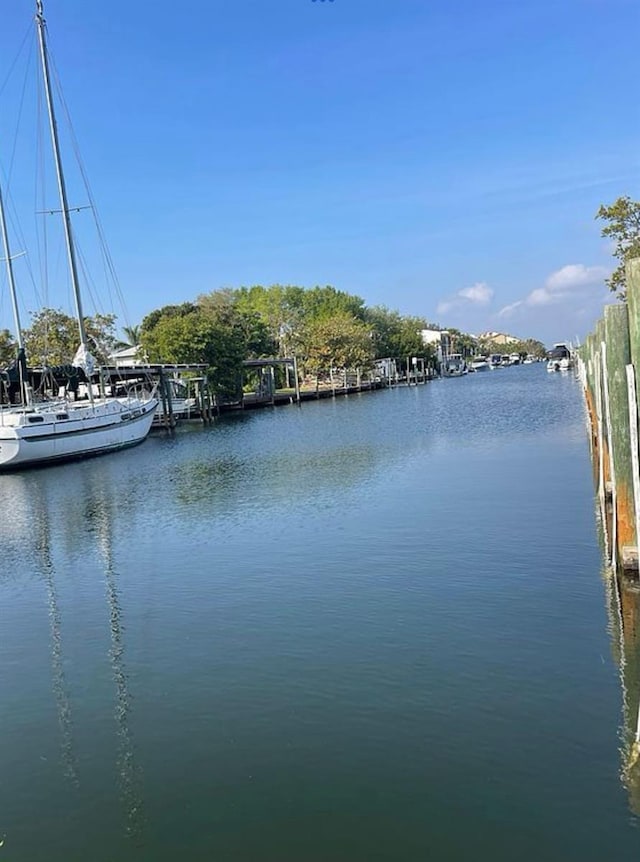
42	544
47	520
223	482
623	599
99	518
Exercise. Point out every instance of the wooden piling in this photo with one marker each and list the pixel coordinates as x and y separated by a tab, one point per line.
632	270
296	378
617	356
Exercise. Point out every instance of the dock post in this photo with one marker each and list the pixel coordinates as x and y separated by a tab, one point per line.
296	380
599	408
634	434
617	356
632	270
201	401
163	396
171	417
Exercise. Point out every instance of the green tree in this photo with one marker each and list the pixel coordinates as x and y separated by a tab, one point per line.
52	338
623	226
338	341
280	308
462	342
213	331
131	336
225	308
319	302
8	348
396	335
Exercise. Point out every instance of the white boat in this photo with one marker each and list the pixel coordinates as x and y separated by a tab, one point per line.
495	361
479	363
183	405
39	433
529	359
560	358
454	365
514	359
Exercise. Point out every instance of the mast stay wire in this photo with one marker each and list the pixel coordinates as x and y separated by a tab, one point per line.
104	248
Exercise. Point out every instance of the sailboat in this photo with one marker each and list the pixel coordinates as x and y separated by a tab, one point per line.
33	432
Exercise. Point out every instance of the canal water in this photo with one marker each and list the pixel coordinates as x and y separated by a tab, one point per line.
374	628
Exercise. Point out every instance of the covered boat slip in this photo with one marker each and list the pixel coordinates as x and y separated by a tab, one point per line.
182	390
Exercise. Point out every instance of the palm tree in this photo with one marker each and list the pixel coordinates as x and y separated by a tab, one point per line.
132	335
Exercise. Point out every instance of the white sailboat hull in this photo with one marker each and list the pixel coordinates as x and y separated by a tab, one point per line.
48	433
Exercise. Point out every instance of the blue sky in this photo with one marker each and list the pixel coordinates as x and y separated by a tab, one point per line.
442	157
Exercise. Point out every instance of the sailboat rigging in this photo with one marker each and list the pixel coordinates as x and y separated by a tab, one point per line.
40	432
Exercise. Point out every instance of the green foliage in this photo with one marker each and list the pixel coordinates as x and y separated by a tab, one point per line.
8	348
324	302
214	330
53	338
395	335
623	225
131	337
336	341
286	310
462	342
224	307
323	327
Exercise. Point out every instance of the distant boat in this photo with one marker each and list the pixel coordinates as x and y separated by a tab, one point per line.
495	361
529	359
479	363
454	365
514	359
560	358
35	432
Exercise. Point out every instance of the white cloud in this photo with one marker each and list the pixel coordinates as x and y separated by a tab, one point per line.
540	296
568	282
478	294
574	275
508	310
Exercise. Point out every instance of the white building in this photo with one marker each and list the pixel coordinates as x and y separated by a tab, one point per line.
440	339
126	357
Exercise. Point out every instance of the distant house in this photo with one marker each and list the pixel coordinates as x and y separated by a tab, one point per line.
127	356
497	338
440	339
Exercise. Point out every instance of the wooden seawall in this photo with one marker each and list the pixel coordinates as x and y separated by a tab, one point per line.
609	369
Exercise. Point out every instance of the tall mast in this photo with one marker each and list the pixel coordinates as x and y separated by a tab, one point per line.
9	262
21	359
62	190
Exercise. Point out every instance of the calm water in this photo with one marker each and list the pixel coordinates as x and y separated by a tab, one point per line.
368	629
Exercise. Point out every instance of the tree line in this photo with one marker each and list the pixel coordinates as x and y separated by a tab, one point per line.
323	327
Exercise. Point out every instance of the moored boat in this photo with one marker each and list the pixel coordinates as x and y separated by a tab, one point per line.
454	365
560	358
479	363
35	432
